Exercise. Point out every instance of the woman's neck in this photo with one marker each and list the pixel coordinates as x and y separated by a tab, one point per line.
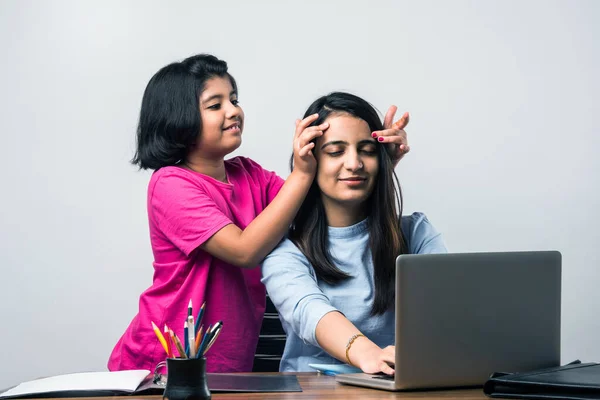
341	215
213	168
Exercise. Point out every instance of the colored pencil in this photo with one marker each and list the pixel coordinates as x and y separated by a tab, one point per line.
199	338
204	341
168	340
199	317
160	337
178	344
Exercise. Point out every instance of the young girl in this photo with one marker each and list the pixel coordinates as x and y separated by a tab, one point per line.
333	280
211	220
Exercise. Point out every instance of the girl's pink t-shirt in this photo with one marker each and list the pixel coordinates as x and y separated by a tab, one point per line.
185	209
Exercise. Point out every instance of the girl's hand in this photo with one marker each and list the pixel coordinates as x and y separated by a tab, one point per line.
304	143
394	135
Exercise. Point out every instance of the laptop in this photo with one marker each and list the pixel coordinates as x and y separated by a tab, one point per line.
461	317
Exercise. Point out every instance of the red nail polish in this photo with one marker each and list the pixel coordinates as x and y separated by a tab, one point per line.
380	139
374	135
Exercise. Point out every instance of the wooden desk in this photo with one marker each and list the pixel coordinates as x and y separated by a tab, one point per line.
325	387
317	386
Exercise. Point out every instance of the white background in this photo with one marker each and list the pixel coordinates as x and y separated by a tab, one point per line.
504	135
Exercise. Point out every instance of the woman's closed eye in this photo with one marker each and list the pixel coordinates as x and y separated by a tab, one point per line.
335	153
369	150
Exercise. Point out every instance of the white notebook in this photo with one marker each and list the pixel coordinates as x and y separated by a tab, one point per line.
117	382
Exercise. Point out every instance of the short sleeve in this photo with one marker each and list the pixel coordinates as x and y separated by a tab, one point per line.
185	212
275	182
421	235
267	179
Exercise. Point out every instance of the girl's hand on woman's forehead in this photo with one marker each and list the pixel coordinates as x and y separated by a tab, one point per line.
394	135
304	159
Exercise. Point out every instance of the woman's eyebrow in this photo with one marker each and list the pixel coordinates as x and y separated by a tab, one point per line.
333	142
367	141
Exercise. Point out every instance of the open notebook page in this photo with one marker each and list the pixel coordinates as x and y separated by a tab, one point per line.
124	381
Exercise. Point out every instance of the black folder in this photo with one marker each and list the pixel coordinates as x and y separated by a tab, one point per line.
574	381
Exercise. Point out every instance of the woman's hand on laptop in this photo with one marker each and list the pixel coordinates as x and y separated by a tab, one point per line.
358	350
371	358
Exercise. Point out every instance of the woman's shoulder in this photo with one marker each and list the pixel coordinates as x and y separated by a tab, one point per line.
420	234
285	261
414	220
288	251
286	246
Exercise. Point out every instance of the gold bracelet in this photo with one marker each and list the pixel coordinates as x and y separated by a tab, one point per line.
352	339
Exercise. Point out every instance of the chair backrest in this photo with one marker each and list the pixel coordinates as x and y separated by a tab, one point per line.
270	342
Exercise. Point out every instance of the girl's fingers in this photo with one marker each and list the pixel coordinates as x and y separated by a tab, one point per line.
301	126
390	133
399	139
389	116
402	122
310	134
304	151
405	148
319	128
392	129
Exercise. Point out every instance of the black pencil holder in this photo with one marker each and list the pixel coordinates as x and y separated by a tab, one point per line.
186	379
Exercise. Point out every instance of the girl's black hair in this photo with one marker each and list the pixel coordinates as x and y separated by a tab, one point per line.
170	114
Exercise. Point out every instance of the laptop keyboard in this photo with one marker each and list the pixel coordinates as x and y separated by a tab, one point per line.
384	377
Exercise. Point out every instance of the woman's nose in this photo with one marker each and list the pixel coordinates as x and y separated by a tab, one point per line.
353	161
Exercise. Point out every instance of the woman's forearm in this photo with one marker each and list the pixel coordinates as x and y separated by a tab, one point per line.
333	333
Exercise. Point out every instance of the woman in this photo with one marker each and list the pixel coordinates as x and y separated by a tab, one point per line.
332	280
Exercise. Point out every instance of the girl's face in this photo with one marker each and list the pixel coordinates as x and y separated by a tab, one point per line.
222	119
347	162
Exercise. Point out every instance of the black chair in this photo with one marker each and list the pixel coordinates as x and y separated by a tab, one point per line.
270	342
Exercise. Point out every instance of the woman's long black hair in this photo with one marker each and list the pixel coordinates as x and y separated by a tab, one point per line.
309	231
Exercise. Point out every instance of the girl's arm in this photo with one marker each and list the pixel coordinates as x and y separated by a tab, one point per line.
246	248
